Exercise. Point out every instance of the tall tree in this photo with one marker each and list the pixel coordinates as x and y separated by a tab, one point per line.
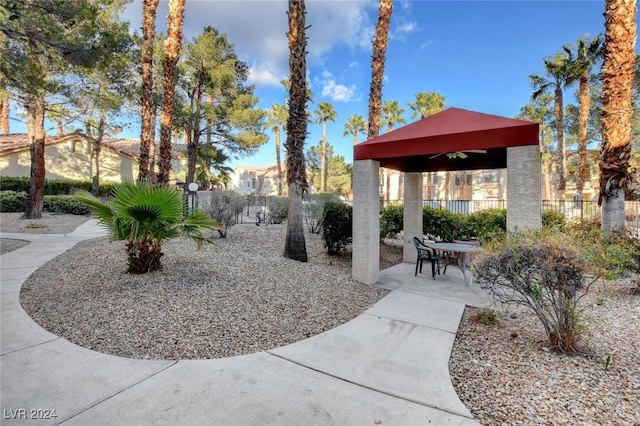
582	59
276	120
324	113
149	10
426	104
172	47
212	99
559	69
295	247
391	114
44	39
617	109
379	50
540	110
355	126
339	173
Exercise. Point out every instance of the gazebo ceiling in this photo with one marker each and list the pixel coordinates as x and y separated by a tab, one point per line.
453	139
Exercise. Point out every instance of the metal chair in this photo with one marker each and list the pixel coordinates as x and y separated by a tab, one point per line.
426	253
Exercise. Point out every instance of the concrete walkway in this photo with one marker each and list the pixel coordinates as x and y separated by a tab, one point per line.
388	366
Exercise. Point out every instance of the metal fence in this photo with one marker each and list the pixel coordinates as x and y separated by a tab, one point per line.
571	209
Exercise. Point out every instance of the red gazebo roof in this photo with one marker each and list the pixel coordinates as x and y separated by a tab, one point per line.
422	146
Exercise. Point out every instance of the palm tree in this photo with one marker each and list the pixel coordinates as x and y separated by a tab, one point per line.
324	113
149	10
380	41
295	247
276	120
587	52
391	114
617	109
172	46
354	126
426	104
559	69
145	217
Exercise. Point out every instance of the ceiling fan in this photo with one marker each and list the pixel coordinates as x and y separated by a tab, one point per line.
460	154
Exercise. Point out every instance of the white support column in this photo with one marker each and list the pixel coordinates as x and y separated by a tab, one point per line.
365	266
524	194
412	220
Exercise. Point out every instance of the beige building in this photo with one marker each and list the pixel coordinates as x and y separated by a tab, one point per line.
262	181
70	157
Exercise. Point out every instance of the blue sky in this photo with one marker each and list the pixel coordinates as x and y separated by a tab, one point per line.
478	54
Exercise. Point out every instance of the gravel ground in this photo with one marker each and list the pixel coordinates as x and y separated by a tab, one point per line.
212	303
506	374
239	297
48	224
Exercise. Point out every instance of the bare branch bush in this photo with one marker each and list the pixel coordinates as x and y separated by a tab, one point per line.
543	273
224	206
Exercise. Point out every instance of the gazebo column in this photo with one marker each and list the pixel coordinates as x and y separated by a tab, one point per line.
412	219
366	222
524	202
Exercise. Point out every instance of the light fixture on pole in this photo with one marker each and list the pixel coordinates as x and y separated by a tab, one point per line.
193	188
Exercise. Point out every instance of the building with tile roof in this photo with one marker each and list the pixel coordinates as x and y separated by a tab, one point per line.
70	157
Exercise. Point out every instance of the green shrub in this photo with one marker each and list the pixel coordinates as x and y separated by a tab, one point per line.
489	224
53	186
438	223
278	208
553	219
313	208
12	201
65	204
391	220
16	184
614	254
337	226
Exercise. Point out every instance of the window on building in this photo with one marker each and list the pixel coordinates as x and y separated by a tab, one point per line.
491	176
469	179
434	179
458	180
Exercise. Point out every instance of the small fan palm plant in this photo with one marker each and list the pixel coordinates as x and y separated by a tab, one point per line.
145	217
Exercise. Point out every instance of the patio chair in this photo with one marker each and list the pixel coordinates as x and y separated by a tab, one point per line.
426	253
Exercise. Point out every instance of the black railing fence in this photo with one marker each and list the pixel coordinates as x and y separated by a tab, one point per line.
571	209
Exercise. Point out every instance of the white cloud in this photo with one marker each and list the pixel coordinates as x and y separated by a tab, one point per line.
338	92
258	28
335	91
263	76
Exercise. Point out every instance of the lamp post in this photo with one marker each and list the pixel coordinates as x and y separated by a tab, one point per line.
193	188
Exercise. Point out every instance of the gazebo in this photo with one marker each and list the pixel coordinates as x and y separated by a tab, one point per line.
454	139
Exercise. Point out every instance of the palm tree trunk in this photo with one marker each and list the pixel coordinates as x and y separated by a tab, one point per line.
97	148
380	41
323	159
35	132
146	166
172	45
295	247
617	110
279	160
582	133
561	156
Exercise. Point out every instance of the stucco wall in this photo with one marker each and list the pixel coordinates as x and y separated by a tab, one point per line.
72	160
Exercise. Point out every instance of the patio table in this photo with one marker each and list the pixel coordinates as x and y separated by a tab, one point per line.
463	262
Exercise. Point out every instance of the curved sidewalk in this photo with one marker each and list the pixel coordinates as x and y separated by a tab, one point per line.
388	366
